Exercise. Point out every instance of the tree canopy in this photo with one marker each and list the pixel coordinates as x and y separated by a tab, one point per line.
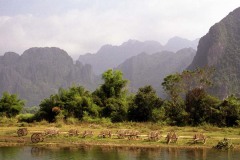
10	105
144	104
72	102
111	96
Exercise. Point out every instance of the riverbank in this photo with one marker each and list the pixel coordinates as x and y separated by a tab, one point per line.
9	137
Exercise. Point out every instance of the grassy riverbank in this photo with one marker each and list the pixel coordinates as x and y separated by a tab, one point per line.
9	137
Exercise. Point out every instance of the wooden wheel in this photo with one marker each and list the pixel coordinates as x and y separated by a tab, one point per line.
37	137
22	132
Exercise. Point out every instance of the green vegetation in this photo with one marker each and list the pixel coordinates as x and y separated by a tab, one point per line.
188	103
224	144
111	96
10	105
146	106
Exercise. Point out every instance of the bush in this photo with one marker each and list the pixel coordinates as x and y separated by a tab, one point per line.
4	121
28	117
43	122
210	127
158	115
88	119
10	105
224	144
72	120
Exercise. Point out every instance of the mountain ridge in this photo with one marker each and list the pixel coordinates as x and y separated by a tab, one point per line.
109	56
40	72
150	69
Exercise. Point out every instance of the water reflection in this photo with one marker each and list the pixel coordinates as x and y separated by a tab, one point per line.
196	153
37	151
4	152
113	153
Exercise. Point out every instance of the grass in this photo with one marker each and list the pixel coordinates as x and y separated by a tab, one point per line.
214	134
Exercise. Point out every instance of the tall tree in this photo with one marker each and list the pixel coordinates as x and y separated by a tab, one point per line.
201	107
172	84
111	95
179	85
144	103
10	104
230	111
113	86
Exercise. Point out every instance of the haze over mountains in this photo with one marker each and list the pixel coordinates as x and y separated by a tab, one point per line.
109	56
145	69
40	72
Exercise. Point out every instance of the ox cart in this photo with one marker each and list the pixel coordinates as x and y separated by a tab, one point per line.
40	136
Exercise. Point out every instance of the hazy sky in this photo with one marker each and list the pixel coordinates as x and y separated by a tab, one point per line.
80	26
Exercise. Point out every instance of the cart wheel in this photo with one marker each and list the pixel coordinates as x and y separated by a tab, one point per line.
20	132
36	137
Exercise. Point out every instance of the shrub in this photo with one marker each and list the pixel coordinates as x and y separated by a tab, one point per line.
4	121
72	120
28	117
224	144
89	119
43	122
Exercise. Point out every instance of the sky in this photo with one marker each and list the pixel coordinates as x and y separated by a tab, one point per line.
83	26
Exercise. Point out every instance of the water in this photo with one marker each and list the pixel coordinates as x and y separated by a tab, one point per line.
107	153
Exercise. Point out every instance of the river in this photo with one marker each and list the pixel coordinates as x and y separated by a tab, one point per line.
110	153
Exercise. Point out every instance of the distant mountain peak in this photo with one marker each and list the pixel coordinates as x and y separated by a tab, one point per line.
130	41
43	50
176	38
110	56
104	48
176	43
10	55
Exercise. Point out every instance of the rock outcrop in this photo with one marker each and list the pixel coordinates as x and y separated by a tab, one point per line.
220	49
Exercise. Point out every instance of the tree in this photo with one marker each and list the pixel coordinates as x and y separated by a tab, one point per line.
172	84
199	78
111	95
201	107
230	111
175	107
113	85
175	112
10	105
144	103
116	109
178	86
46	109
72	102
